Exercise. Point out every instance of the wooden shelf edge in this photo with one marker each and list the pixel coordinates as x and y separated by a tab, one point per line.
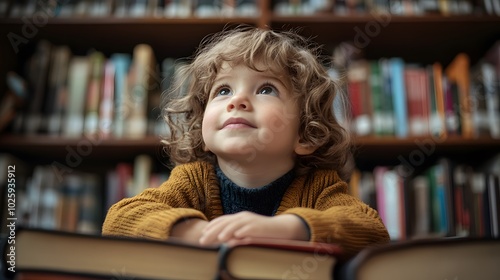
362	18
9	140
412	141
315	18
56	141
132	20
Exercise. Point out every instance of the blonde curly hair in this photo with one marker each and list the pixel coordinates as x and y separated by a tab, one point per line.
285	53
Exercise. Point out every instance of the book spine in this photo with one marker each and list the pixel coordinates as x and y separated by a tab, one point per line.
96	66
399	97
140	87
107	99
77	88
122	64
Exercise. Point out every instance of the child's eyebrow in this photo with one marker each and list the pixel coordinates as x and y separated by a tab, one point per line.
266	75
275	79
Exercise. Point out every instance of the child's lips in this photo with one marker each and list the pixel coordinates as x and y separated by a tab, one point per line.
237	123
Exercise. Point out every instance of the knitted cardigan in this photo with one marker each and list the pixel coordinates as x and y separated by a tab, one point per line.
192	191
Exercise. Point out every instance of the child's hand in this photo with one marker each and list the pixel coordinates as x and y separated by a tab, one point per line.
248	224
189	230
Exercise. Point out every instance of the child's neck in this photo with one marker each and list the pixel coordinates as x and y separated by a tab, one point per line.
253	175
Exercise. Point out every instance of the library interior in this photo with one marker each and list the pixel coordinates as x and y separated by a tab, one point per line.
82	81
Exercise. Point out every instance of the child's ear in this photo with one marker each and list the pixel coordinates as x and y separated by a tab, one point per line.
304	149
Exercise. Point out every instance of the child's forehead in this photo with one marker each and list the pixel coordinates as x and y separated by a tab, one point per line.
227	66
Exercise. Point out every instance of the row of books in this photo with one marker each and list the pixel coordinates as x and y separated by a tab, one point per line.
445	199
393	7
415	7
43	254
228	8
75	201
119	96
75	95
394	98
129	8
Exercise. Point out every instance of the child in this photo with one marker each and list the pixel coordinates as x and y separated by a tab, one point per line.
258	151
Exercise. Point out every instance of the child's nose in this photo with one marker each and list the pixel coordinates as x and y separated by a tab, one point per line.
239	102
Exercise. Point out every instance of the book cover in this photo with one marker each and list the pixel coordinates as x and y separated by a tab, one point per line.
59	253
141	82
421	223
94	92
458	73
58	89
437	74
453	121
95	256
377	98
436	122
77	89
106	106
436	258
399	91
122	63
418	100
360	99
389	118
38	71
491	84
278	259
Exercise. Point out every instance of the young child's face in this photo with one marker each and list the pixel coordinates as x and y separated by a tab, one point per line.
251	116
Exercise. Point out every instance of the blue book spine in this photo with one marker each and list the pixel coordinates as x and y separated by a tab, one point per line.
399	97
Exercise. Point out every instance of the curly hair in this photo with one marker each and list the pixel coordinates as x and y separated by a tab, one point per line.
285	53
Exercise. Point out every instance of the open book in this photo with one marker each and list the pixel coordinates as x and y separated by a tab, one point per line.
44	254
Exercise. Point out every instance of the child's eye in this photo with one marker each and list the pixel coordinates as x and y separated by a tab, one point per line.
223	91
268	90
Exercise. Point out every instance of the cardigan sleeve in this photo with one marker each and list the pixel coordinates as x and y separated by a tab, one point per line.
337	217
153	212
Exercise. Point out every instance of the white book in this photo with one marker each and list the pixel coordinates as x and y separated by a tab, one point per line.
141	82
492	98
77	89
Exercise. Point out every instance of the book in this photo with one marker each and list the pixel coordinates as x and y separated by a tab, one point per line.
390	197
38	68
141	83
106	107
78	75
121	62
438	127
66	253
418	100
278	259
359	95
376	90
438	258
399	96
58	87
458	73
436	119
389	116
94	91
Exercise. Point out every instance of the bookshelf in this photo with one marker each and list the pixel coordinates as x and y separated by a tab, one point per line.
422	39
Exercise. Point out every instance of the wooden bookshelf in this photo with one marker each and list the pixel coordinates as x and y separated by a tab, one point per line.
404	36
419	39
92	148
367	149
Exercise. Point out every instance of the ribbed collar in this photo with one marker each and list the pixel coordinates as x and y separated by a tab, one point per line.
264	200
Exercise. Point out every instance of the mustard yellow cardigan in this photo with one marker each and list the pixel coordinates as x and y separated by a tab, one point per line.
192	191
